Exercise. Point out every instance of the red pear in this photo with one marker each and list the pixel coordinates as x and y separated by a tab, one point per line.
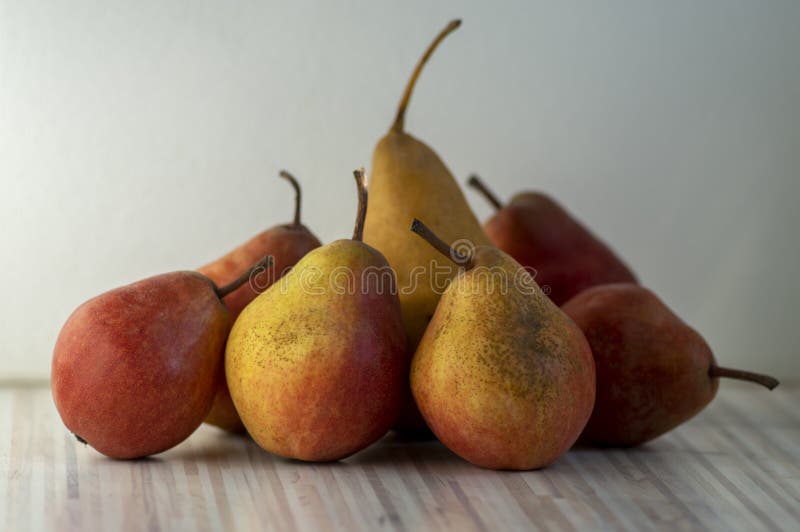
540	234
135	369
653	371
286	244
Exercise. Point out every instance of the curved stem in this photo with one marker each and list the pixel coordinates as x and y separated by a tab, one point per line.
399	119
298	195
764	380
361	215
475	182
440	245
234	285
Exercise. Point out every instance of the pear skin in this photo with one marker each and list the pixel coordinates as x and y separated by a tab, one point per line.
317	365
540	234
286	244
502	376
654	372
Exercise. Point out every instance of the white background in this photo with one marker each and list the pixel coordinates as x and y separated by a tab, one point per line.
141	137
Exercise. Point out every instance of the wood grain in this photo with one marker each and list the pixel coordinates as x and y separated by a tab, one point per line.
734	467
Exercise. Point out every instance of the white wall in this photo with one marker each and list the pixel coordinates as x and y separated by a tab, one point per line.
140	137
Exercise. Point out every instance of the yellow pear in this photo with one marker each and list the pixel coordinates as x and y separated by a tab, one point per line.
317	365
502	376
410	180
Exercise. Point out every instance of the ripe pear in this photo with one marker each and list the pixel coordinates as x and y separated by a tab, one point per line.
540	234
653	371
409	179
317	364
286	244
135	369
502	376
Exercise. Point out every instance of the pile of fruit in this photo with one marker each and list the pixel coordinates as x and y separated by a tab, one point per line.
508	342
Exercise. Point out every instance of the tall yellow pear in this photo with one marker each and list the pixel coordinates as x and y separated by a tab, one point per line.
410	180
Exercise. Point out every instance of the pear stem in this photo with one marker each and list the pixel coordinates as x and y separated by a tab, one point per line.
440	245
361	215
764	380
399	119
298	195
234	285
477	183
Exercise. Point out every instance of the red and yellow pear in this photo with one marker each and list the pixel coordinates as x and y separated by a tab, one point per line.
502	376
317	365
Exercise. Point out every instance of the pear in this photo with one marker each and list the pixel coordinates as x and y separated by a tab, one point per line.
286	244
317	364
409	179
540	234
502	376
653	371
135	369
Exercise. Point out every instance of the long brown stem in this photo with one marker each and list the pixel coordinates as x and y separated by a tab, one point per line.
361	215
764	380
298	195
475	182
440	245
399	119
234	285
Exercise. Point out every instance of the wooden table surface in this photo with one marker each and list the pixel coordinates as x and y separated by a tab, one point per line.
734	467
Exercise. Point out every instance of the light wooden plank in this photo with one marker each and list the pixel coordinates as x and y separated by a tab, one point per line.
734	467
